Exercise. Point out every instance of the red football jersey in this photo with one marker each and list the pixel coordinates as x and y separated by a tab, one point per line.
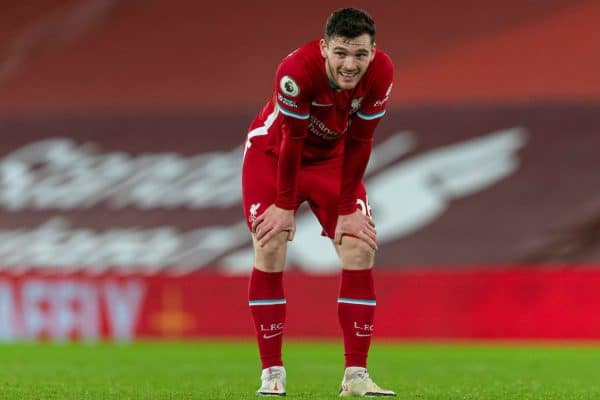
303	91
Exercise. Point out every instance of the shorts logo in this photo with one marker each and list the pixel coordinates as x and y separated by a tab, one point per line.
253	210
364	207
289	87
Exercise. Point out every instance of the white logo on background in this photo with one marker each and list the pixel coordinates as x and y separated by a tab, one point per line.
365	207
356	103
276	327
287	102
265	336
386	98
289	86
253	210
366	328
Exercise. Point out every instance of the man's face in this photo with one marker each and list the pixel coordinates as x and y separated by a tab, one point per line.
347	59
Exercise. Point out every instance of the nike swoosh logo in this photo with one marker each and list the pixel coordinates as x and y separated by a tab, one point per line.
265	336
314	103
363	334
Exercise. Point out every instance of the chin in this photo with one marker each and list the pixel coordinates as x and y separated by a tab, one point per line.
347	85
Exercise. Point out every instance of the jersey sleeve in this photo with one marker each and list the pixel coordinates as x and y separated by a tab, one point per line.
292	91
359	141
292	88
380	88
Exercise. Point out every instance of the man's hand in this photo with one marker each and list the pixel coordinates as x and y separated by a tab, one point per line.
273	221
356	224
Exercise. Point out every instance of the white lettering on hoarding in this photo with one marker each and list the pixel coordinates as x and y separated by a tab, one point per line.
59	174
405	196
123	301
56	245
7	318
36	315
63	309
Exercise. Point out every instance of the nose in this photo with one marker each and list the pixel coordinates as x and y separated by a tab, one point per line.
349	64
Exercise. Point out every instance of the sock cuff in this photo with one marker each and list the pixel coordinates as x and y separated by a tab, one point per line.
357	273
357	285
266	286
267	275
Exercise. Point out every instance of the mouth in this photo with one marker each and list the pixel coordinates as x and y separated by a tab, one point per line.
349	75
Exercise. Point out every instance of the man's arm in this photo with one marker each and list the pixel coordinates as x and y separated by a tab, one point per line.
290	154
294	107
280	216
357	150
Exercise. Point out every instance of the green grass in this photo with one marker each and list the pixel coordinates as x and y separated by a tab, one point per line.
230	370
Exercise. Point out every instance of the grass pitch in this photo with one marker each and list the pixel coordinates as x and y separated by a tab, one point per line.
230	370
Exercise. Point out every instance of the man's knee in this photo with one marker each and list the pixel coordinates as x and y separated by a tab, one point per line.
355	253
271	256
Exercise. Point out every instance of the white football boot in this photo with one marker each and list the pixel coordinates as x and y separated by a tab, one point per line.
273	382
357	382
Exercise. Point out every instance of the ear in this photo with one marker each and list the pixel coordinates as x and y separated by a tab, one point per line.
373	52
323	46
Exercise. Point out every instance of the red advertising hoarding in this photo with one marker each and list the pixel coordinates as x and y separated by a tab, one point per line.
509	303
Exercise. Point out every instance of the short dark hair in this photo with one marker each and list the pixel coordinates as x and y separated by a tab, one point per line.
350	23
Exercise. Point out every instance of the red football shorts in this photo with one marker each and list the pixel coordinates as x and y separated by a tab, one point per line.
318	184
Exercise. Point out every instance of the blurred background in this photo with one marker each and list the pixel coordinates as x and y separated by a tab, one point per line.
121	125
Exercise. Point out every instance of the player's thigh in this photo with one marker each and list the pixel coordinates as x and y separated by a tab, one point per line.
259	188
259	183
323	197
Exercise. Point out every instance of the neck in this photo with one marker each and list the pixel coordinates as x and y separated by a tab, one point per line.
331	81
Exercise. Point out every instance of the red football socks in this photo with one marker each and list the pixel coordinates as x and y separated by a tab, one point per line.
356	309
267	303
